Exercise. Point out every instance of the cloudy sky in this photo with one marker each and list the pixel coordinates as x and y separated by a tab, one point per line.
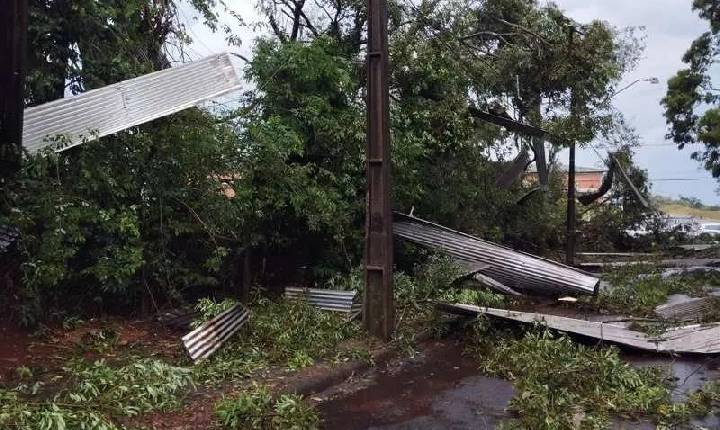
670	27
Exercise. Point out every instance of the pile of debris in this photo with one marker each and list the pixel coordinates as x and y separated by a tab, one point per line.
511	272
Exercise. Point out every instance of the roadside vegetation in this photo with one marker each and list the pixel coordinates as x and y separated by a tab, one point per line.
563	385
256	409
93	395
636	290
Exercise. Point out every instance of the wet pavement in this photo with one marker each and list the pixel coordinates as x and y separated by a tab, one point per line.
443	389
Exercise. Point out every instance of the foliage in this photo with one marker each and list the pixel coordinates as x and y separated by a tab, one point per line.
428	282
475	296
304	138
94	394
289	333
692	101
129	216
209	309
256	409
564	385
638	289
82	45
605	225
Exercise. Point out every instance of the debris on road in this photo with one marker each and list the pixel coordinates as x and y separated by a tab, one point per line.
494	285
673	263
210	336
329	300
696	338
683	307
518	271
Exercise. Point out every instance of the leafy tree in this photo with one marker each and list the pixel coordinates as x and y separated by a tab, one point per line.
134	217
304	136
78	45
691	102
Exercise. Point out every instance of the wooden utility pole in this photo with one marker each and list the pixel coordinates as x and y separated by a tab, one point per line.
570	234
378	307
13	35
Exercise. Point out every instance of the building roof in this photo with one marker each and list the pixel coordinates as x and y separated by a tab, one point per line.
578	169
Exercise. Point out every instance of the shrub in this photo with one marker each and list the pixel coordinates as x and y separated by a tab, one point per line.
289	333
563	385
255	409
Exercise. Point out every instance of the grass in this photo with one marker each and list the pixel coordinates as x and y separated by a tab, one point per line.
682	210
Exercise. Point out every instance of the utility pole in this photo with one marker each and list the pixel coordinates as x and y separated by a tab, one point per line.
378	307
13	36
570	234
574	111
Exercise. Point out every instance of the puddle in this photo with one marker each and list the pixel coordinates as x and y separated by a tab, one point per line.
442	390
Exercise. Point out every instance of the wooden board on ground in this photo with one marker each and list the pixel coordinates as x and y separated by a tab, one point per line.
696	338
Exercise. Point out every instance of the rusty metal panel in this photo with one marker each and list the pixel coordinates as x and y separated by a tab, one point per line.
205	340
128	103
517	270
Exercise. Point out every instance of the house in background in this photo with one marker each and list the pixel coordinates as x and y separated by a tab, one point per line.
587	179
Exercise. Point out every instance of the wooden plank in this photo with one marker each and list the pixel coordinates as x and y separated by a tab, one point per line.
697	338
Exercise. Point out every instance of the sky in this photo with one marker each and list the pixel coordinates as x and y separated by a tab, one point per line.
669	28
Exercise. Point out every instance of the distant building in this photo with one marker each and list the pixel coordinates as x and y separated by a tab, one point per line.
587	179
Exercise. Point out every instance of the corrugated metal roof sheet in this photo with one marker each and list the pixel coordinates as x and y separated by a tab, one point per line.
206	339
517	270
8	235
125	104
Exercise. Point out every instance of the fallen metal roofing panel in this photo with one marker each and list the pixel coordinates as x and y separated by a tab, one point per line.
8	236
696	338
128	103
206	339
517	270
329	300
682	307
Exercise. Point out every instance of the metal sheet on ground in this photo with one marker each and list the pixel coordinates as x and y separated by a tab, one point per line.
517	270
329	300
202	342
